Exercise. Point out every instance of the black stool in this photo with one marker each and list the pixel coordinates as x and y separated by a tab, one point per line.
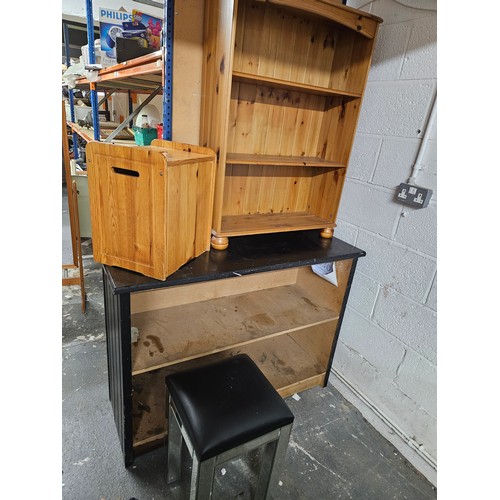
224	410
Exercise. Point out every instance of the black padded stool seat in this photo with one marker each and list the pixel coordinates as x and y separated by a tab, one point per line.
221	411
226	404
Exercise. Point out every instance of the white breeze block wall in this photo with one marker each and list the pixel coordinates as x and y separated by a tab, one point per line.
385	361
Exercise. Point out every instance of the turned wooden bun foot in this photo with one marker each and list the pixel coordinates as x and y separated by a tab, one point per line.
326	233
219	242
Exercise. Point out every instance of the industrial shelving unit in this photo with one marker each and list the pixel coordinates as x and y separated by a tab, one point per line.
141	75
150	74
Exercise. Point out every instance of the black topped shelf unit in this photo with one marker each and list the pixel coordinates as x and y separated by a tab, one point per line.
260	297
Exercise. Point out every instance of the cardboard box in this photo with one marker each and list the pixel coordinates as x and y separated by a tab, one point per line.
135	25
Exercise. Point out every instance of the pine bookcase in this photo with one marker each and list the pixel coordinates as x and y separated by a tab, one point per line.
282	88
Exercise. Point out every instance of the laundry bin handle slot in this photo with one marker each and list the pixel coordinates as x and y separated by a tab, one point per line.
125	171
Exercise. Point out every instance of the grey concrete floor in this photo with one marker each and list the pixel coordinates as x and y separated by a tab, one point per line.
333	453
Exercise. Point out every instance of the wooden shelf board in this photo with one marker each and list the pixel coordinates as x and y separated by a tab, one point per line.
124	85
277	160
88	134
145	69
240	225
223	323
138	61
128	73
271	355
293	86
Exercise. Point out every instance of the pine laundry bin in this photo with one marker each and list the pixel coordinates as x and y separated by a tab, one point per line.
150	207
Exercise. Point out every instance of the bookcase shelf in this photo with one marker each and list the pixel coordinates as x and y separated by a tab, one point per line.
287	85
275	160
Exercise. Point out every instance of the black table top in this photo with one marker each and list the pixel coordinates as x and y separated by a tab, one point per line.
245	255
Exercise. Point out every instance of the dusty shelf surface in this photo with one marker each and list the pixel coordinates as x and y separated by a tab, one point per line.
175	334
287	361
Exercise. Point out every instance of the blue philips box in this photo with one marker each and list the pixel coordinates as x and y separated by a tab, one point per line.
116	24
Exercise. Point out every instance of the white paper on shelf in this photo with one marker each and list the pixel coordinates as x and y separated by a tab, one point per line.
327	271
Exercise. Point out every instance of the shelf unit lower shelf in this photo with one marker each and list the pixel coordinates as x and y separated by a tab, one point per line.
272	356
239	319
284	320
269	194
240	225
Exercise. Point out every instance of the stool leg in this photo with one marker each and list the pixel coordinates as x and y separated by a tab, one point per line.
274	456
174	447
202	479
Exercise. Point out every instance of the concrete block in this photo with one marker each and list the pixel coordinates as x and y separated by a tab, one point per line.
420	60
395	161
378	347
363	294
396	108
408	414
417	378
369	207
346	232
389	54
395	267
364	155
360	4
397	13
413	324
418	229
432	299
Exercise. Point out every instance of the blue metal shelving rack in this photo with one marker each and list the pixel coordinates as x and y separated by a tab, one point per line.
168	44
70	91
93	87
167	76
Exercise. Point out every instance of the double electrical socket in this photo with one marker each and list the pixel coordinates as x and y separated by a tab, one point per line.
413	196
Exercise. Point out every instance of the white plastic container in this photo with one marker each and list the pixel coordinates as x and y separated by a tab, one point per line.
103	58
80	112
85	55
